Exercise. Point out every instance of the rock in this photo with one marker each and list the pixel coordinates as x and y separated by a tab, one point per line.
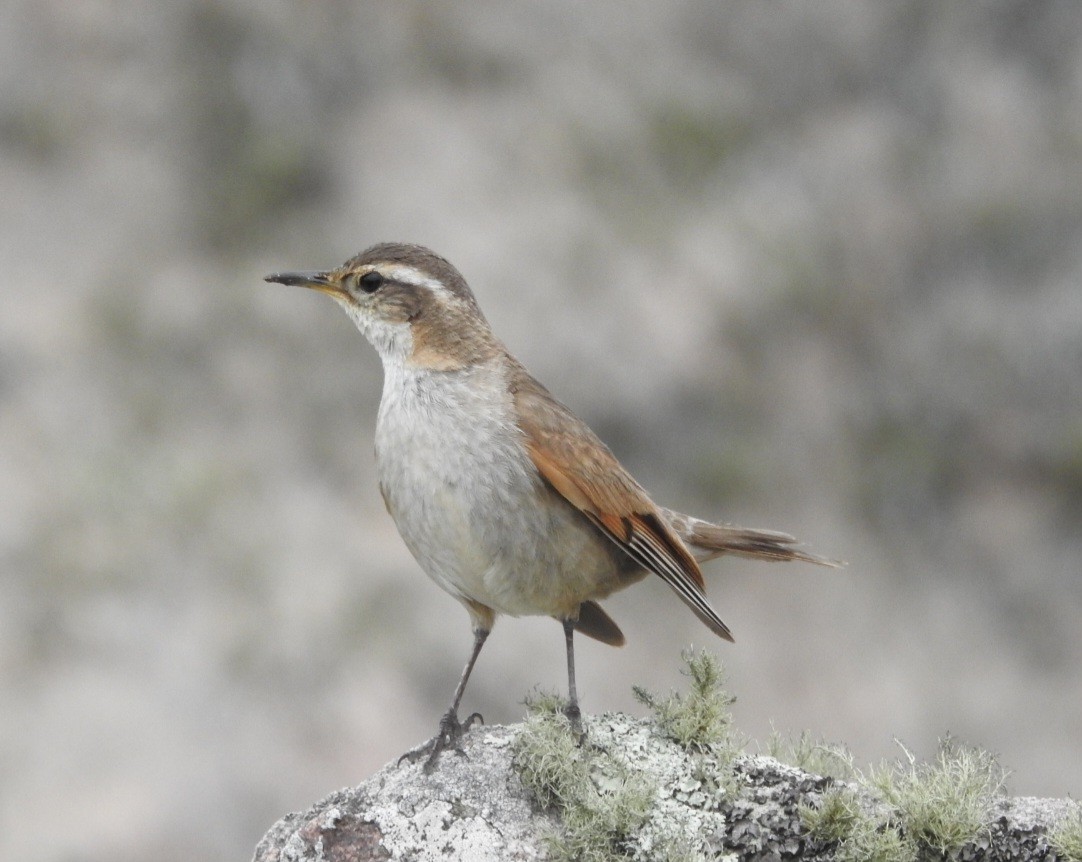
472	808
476	808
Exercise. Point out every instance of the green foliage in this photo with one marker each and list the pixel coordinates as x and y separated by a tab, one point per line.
1066	838
601	803
945	803
702	719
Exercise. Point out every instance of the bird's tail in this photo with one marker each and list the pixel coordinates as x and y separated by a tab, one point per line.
707	541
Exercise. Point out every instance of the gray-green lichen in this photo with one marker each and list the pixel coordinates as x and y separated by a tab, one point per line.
907	810
1066	837
829	759
626	793
702	719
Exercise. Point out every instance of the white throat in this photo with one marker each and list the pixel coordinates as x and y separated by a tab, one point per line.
393	341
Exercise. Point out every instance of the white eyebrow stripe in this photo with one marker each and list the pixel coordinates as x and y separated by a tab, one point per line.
411	275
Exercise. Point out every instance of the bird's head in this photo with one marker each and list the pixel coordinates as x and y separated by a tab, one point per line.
411	304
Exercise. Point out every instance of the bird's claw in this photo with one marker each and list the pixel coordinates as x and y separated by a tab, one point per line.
449	736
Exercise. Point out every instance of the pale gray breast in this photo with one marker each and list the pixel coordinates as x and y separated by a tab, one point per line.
452	468
471	506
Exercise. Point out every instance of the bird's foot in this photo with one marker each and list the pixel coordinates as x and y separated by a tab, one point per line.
449	736
574	716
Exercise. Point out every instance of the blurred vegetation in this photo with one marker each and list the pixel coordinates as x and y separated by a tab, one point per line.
249	169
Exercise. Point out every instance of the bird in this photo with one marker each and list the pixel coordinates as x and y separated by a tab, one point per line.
506	499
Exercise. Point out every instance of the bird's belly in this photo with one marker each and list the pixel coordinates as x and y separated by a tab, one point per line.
548	559
486	528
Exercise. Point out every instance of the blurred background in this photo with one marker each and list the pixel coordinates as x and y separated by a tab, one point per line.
813	267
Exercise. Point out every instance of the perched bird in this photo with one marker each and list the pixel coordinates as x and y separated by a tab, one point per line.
507	500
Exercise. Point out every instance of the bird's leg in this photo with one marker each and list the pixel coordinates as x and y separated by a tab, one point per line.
451	729
572	711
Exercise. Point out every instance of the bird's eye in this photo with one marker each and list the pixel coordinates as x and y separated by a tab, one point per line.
370	282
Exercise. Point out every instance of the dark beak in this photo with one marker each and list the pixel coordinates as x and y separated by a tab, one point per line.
315	280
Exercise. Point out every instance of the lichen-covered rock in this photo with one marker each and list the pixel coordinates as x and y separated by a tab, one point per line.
764	821
475	808
470	808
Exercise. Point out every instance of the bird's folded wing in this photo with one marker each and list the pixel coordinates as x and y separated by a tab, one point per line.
581	469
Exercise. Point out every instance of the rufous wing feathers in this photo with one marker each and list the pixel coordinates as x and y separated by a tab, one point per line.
578	466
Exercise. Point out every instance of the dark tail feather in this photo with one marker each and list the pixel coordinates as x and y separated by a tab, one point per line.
708	541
